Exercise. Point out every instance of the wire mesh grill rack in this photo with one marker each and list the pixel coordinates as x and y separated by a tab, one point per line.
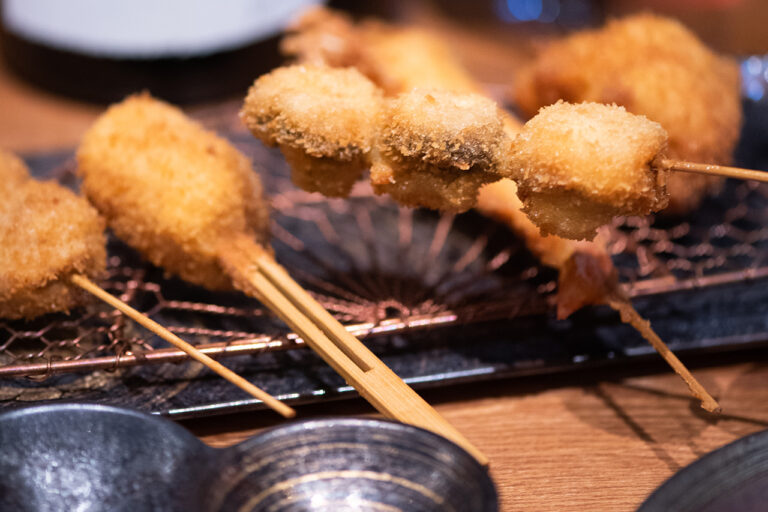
381	270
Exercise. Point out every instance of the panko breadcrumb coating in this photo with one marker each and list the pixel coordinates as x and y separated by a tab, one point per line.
654	67
12	172
437	148
169	188
322	119
386	55
397	59
47	234
580	165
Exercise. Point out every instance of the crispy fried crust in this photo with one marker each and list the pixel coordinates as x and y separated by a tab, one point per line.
323	119
436	149
47	234
397	59
655	67
444	129
171	189
387	55
13	172
580	165
425	148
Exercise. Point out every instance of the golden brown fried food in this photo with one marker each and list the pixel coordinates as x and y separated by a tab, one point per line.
13	172
387	55
169	188
654	67
580	165
323	120
47	234
437	148
397	59
425	148
587	274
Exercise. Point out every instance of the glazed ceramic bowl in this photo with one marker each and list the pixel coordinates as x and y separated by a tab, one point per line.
80	457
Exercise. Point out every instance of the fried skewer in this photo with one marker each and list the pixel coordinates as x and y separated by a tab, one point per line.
656	67
189	202
401	59
53	244
576	166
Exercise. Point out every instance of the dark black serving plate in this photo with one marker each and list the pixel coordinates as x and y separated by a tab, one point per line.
97	458
700	280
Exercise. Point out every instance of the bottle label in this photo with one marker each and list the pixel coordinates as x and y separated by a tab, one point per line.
148	29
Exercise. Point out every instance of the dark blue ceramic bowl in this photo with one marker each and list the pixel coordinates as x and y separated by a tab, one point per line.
76	457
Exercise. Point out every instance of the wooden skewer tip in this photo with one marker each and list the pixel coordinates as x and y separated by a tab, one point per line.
632	317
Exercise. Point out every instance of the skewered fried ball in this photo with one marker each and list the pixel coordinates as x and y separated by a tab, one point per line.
425	148
656	67
169	188
47	234
580	165
577	165
322	119
436	149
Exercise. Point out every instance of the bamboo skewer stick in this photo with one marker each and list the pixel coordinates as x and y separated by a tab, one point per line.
256	273
717	170
629	315
87	285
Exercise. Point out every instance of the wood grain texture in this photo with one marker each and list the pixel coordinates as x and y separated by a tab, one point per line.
604	445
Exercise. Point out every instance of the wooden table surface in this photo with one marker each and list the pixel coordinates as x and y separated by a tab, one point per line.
598	441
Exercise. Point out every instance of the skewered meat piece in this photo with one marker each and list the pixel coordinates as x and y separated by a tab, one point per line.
578	166
322	119
47	234
390	57
655	67
437	148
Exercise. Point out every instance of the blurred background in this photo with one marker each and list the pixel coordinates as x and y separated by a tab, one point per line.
74	55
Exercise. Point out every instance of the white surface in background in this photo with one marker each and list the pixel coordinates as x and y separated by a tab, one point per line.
149	28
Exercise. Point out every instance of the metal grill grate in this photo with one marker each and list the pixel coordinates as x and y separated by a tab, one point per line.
382	270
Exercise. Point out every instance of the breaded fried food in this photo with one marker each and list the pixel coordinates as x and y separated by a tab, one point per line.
587	275
653	66
323	120
47	234
13	172
425	148
397	59
580	165
386	54
169	188
437	148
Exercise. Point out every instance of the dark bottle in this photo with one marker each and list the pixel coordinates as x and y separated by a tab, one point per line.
181	50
